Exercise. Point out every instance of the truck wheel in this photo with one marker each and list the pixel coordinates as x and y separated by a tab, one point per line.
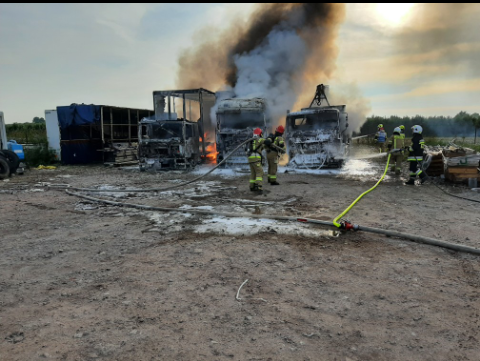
12	159
4	168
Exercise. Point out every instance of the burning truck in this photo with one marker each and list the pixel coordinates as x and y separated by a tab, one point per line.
317	136
236	120
169	142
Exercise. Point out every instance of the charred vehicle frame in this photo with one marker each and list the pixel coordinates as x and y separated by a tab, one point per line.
167	141
317	136
236	120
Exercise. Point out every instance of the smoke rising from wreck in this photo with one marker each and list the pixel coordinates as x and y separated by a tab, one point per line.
282	54
445	34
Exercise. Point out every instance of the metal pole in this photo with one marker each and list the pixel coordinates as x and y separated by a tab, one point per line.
200	98
169	113
129	128
111	124
184	108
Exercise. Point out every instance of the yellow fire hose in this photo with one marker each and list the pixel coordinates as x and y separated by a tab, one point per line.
335	221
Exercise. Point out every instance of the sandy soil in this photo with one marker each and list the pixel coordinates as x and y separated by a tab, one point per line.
81	280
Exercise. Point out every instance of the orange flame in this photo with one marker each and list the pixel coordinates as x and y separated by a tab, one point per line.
211	148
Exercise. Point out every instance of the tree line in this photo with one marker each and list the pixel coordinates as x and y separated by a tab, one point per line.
461	125
27	133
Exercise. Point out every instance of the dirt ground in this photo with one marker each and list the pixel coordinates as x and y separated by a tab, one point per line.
81	280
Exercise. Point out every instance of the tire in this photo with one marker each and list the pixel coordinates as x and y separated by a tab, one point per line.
4	168
12	159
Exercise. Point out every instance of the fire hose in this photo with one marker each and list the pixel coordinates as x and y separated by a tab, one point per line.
412	237
347	225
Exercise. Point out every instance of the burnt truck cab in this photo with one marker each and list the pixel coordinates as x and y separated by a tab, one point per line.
236	120
317	136
169	142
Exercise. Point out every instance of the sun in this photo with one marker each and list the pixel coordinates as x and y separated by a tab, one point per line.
394	14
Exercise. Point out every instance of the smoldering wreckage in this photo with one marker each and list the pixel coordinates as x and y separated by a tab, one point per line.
316	137
181	223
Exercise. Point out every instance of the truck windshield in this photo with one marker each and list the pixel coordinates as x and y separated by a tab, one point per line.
241	120
327	120
163	130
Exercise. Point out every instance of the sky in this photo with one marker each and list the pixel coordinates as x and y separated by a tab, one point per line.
378	59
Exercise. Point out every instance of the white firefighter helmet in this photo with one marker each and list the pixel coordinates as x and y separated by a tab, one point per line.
417	129
397	130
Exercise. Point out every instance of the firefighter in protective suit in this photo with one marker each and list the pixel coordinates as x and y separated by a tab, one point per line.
381	138
415	156
275	147
396	146
255	161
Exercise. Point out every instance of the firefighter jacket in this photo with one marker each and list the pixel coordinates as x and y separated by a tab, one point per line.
255	151
417	148
277	141
397	142
381	136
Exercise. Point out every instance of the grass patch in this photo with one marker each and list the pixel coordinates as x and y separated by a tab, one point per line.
461	142
39	155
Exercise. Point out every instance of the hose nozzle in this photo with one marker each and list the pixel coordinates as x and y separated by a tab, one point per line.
349	226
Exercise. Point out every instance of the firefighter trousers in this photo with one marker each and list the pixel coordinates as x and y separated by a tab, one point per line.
272	158
396	163
256	174
416	169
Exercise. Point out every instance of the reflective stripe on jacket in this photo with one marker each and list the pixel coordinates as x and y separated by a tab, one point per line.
397	141
255	153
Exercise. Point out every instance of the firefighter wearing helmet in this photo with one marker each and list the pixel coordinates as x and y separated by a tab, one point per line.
415	156
397	142
255	161
275	147
402	131
381	138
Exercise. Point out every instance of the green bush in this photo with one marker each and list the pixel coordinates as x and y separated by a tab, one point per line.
39	155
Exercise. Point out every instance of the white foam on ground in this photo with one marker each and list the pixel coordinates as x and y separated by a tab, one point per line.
242	226
167	218
222	172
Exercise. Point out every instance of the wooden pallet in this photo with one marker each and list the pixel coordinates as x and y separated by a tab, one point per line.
436	167
460	174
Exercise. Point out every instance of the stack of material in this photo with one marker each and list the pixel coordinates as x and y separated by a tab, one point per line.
436	166
461	164
121	154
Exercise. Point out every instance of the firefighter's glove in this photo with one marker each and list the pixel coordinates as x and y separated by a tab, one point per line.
389	147
268	142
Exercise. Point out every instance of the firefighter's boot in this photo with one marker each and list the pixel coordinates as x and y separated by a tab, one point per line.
254	188
410	182
274	183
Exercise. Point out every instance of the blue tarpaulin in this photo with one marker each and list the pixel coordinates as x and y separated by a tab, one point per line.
80	144
78	114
